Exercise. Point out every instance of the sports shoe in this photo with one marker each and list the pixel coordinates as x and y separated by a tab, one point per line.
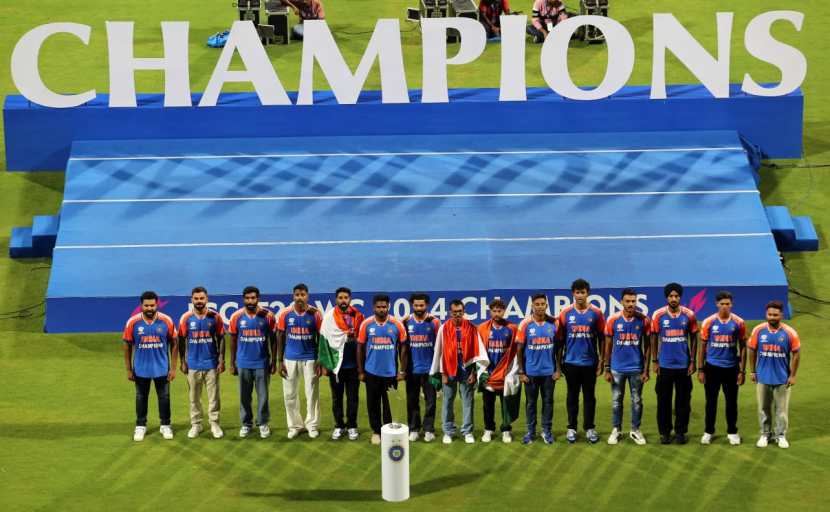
469	438
375	439
592	436
413	436
706	438
353	434
638	437
293	432
528	438
429	437
763	441
665	439
506	437
571	436
447	439
487	436
547	437
681	439
783	443
194	431
734	439
166	432
244	431
336	434
264	431
614	436
216	430
313	433
138	433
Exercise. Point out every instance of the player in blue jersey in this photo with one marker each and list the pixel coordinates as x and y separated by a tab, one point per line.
774	357
379	338
581	331
252	345
421	331
539	359
499	336
346	381
150	356
202	350
298	328
627	349
722	365
673	345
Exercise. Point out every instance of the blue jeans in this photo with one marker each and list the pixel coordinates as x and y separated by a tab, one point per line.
635	384
248	380
545	386
468	393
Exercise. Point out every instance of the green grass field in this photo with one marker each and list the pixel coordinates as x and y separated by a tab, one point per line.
66	409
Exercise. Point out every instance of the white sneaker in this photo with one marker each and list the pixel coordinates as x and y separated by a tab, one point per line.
734	439
138	433
783	443
336	434
487	436
244	431
216	430
194	431
313	433
706	438
763	441
447	439
638	437
166	432
264	431
353	434
413	436
506	437
615	436
375	438
469	438
292	433
429	437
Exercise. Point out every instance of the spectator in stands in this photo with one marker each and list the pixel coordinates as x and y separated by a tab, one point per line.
546	14
305	10
489	12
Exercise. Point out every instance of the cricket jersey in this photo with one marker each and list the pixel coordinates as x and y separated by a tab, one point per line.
581	331
721	340
381	340
627	338
498	342
252	331
539	340
301	330
151	343
421	337
673	331
774	347
201	334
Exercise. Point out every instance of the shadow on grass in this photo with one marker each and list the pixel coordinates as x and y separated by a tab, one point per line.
417	489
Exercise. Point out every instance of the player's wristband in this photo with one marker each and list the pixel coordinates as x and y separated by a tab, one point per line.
742	371
655	360
607	368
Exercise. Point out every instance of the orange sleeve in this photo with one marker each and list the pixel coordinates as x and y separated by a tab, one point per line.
272	322
609	327
742	329
401	331
281	319
795	341
220	325
704	330
753	339
600	321
693	328
318	319
654	324
128	331
171	328
361	334
560	333
520	333
183	325
232	324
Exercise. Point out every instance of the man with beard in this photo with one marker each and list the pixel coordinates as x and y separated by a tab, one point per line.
422	329
377	361
298	326
344	379
150	336
202	351
252	343
499	337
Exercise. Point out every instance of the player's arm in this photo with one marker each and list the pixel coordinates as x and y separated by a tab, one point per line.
753	361
272	350
404	359
172	341
280	351
795	361
234	344
654	348
742	342
361	351
558	350
692	350
128	360
646	354
182	346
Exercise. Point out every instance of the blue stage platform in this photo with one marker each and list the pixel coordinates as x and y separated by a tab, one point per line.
467	216
39	139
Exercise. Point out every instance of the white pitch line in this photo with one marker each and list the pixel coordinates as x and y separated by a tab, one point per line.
405	196
410	241
406	153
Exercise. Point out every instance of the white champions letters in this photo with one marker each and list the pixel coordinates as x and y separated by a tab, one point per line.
384	48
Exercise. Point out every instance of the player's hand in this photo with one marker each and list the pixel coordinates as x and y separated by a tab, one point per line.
497	31
607	376
130	376
556	375
600	371
183	367
444	379
692	369
272	368
644	377
283	370
361	377
234	369
171	375
471	380
741	378
318	369
701	377
323	371
754	377
656	368
221	367
524	378
401	376
791	381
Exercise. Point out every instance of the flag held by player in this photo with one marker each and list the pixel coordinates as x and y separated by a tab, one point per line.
445	359
334	333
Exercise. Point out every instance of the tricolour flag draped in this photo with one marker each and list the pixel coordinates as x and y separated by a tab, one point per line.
445	359
334	333
504	378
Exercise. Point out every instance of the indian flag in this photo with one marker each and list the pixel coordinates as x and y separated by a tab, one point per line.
334	333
